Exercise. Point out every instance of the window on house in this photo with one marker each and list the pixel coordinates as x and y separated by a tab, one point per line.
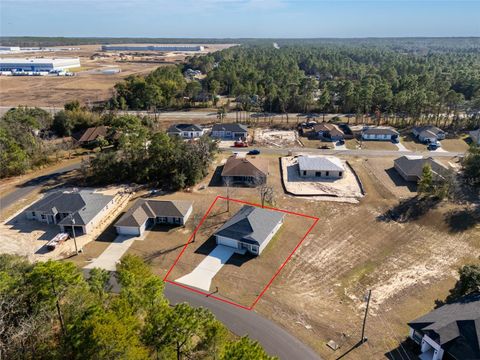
33	213
304	173
318	173
340	173
327	173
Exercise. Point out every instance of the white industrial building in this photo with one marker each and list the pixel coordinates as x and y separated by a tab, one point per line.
38	64
152	48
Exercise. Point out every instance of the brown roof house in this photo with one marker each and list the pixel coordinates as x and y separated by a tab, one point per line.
245	170
90	135
145	214
411	168
328	132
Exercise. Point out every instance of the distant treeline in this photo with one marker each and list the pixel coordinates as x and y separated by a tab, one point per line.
470	44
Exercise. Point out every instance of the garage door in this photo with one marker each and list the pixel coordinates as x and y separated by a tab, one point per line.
125	230
227	242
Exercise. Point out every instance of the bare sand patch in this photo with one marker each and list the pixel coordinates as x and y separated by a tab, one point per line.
276	138
346	189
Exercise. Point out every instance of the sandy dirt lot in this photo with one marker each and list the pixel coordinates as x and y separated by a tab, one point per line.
276	138
88	85
21	236
345	189
319	294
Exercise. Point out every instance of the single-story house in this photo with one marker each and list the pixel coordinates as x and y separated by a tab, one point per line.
451	331
410	167
144	214
186	131
232	131
320	166
250	229
475	136
379	133
328	132
90	135
251	170
86	207
428	133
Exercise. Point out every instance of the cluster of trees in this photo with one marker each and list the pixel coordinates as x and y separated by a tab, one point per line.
48	310
145	157
399	80
20	146
165	87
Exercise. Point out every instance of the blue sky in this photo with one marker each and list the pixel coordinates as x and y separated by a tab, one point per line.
239	18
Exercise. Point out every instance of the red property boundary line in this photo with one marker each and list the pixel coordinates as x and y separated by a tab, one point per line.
165	279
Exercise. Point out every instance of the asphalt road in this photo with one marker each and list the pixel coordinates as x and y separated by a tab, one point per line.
27	187
274	339
359	152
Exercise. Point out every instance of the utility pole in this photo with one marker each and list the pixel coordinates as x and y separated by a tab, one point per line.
364	339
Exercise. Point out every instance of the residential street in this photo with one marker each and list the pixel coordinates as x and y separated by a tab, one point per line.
273	338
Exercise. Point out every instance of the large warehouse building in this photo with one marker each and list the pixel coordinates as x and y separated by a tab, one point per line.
152	48
38	64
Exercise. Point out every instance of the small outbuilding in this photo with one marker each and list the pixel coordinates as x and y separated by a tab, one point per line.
320	167
144	214
410	168
250	229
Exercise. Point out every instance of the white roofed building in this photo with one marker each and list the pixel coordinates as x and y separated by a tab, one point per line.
38	64
320	166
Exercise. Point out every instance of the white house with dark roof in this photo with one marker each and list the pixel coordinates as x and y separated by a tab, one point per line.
381	133
250	229
410	167
428	133
233	131
85	207
451	331
320	167
186	131
145	214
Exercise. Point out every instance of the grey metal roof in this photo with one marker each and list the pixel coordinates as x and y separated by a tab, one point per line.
456	327
177	128
320	163
84	204
413	166
144	209
428	130
380	131
251	224
233	127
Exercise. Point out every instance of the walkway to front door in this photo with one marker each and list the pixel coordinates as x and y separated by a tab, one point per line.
201	277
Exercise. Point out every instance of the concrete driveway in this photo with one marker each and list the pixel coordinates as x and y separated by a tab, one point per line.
401	147
201	277
113	253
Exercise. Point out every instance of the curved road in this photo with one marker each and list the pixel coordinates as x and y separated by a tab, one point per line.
274	339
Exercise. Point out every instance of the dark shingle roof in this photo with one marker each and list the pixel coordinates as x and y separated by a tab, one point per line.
91	134
183	127
456	327
413	166
84	204
233	127
252	166
251	224
332	129
429	129
380	131
145	209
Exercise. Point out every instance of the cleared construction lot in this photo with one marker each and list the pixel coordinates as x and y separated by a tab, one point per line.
319	294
